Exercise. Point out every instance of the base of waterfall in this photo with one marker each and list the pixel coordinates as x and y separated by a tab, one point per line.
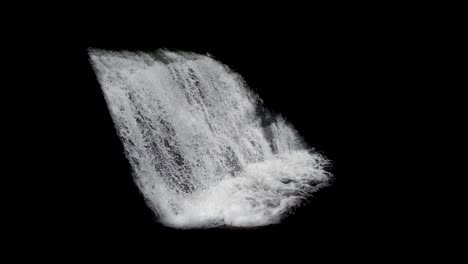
260	195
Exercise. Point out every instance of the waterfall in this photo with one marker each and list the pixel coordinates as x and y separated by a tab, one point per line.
203	150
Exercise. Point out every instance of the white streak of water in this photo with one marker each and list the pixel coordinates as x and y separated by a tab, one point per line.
203	150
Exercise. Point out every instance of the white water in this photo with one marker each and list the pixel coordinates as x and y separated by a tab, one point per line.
203	150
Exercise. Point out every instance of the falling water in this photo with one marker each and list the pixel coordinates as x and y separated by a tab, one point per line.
203	149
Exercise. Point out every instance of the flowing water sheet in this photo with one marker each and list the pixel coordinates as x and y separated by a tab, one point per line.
203	150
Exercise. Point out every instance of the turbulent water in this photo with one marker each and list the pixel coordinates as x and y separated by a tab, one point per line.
203	149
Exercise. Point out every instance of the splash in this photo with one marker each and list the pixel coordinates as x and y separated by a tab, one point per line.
203	149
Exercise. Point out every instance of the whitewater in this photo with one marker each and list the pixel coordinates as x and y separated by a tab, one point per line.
204	150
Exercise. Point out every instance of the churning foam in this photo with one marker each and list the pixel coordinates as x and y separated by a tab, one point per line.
203	149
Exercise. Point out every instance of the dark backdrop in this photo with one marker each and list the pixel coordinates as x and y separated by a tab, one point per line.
332	82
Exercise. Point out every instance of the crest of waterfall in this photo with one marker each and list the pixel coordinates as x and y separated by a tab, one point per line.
203	150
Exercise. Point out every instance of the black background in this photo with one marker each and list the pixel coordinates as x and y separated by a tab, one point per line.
334	80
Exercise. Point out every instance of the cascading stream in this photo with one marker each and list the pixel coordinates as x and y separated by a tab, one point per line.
203	150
